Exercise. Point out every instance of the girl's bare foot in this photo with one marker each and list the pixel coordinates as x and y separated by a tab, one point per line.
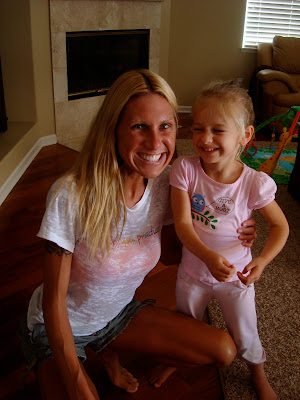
160	374
261	383
118	375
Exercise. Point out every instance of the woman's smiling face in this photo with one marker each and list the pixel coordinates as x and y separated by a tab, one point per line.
146	135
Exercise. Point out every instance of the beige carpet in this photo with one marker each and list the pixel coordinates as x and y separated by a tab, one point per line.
277	301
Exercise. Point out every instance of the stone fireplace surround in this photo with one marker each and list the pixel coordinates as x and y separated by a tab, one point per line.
73	118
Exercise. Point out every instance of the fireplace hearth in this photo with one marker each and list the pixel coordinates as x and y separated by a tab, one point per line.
95	59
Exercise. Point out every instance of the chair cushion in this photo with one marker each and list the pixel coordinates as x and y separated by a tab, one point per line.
287	99
286	54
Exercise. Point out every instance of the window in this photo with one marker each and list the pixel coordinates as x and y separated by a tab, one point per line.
265	18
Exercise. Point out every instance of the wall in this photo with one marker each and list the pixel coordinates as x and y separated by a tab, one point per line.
27	80
164	39
205	44
16	56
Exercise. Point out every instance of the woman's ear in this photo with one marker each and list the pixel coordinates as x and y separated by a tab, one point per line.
247	135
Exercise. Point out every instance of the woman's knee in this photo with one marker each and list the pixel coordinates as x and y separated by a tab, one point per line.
225	350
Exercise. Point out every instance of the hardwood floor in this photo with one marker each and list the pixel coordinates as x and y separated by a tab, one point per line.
22	256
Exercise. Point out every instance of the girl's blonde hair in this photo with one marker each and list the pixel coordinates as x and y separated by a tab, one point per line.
97	173
227	93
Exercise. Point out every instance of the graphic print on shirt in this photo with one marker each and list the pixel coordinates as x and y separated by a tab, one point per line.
139	238
198	213
223	205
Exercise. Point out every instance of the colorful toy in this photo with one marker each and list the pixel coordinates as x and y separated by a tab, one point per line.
289	119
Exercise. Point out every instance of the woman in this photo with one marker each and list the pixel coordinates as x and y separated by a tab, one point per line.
103	229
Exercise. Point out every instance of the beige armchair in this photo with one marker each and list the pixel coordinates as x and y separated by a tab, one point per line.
278	77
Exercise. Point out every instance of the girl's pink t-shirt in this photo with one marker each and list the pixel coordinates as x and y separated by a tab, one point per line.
218	210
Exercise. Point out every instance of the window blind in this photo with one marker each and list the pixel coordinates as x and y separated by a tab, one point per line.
265	18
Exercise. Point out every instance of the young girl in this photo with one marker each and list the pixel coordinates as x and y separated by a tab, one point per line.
211	194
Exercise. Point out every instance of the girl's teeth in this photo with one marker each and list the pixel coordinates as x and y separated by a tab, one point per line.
208	149
153	157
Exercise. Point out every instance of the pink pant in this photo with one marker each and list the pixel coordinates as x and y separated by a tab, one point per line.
237	303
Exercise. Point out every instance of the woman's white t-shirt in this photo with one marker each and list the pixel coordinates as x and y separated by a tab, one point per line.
99	289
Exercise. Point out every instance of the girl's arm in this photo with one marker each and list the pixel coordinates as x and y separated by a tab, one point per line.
279	231
56	280
219	267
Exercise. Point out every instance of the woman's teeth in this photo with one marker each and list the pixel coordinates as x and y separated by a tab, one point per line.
150	157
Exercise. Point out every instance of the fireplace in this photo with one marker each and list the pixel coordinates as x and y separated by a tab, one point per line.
95	59
73	118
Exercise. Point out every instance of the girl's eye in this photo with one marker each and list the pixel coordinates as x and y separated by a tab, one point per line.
218	130
197	129
165	126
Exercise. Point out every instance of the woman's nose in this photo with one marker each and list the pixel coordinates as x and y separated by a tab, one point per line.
153	139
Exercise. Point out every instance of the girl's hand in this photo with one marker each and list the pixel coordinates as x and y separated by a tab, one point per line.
248	232
219	267
256	267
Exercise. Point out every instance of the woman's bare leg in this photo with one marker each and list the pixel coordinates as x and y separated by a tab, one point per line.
176	339
160	374
118	375
51	385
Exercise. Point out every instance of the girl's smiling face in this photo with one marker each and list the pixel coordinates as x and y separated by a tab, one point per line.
216	135
146	135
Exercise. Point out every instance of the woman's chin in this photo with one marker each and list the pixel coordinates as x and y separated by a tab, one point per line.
152	169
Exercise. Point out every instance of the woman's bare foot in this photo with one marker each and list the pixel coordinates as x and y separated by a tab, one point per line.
118	375
261	383
160	374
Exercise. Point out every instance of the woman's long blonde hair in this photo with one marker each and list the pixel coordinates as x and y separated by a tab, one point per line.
96	172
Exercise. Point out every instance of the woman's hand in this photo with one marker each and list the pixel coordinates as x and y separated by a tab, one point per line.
218	266
247	232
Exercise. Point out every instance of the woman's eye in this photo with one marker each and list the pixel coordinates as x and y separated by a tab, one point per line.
137	126
165	126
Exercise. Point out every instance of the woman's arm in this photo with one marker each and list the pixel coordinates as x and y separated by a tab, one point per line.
279	231
57	270
171	246
219	267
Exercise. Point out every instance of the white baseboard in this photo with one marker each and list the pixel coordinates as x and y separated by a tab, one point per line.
185	109
24	164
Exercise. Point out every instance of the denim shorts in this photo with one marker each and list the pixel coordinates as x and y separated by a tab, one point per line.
36	347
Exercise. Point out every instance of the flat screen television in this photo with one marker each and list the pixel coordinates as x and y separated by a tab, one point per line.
96	59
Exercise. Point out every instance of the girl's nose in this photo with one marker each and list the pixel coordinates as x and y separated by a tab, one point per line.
207	136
